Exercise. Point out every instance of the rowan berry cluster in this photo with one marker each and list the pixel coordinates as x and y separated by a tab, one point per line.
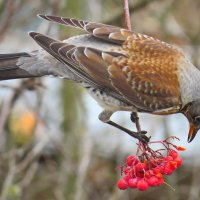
148	169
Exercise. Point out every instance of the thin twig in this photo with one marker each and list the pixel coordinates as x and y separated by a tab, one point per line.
29	175
32	155
132	8
127	19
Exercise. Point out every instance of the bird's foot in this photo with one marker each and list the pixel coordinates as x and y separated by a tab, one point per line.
134	117
143	132
141	136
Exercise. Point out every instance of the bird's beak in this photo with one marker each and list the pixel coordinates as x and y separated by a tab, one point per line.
192	132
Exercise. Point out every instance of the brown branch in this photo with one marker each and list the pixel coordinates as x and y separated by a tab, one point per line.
127	19
132	8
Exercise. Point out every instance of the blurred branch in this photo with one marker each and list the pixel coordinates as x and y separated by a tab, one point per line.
7	105
33	154
55	7
132	8
9	102
7	16
85	156
194	186
30	174
10	175
63	177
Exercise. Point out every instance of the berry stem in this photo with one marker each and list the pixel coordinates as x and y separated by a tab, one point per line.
170	186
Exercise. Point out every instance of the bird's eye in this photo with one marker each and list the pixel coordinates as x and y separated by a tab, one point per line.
197	119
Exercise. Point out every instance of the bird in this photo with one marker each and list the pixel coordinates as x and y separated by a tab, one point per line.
121	69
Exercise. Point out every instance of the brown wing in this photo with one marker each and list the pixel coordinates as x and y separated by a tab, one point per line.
106	32
147	77
54	46
88	63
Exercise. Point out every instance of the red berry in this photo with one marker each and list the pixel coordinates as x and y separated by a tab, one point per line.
173	153
153	181
126	178
140	167
149	173
159	169
159	161
122	184
173	164
129	160
156	170
133	182
168	170
160	181
168	158
140	174
142	185
136	161
179	161
159	175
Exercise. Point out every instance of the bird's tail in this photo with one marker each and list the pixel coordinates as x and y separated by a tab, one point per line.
9	68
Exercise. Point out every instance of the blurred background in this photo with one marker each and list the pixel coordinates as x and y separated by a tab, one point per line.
52	145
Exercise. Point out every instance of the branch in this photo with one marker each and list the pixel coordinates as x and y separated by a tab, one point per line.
127	19
10	175
85	155
32	155
132	8
29	175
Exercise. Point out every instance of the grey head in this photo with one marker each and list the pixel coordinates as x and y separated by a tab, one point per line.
192	112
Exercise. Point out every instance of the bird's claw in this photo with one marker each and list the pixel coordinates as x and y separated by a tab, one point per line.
143	132
142	137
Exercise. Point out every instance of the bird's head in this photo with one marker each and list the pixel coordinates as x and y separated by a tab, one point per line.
192	112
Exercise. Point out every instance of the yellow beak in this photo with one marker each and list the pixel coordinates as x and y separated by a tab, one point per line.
192	132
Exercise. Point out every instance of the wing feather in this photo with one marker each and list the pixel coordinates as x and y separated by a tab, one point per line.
148	76
109	33
51	46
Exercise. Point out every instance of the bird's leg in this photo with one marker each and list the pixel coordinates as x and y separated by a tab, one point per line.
135	120
105	117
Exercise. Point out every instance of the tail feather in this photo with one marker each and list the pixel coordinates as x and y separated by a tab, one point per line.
9	68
